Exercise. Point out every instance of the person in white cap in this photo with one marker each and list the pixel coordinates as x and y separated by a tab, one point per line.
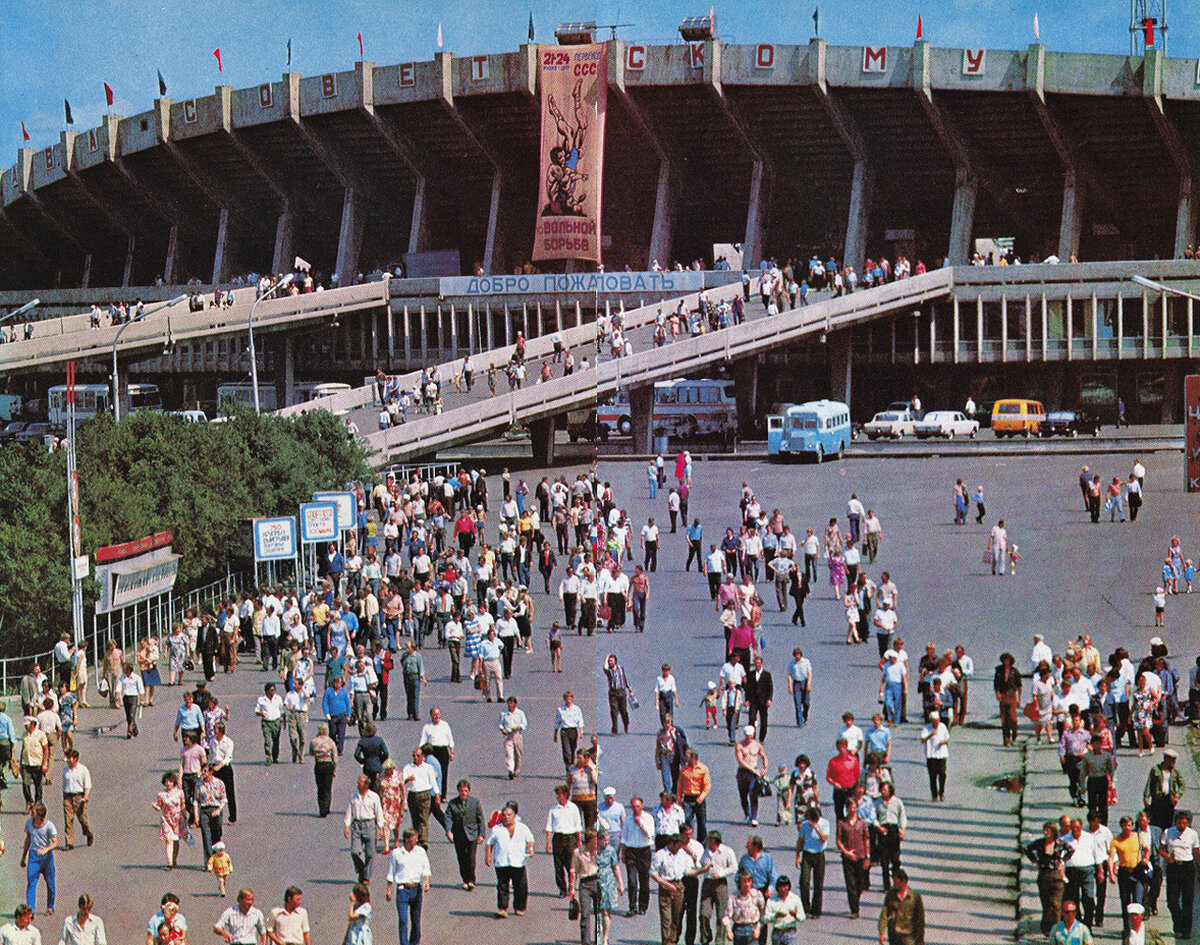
611	816
1135	932
1041	652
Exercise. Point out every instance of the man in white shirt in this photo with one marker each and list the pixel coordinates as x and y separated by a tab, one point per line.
812	549
714	567
669	867
364	821
650	545
409	873
1082	867
717	864
1041	653
83	928
269	709
800	684
852	733
564	832
637	844
420	784
437	734
885	621
936	738
509	845
1103	838
568	726
271	631
568	593
855	513
243	923
512	726
1180	847
76	790
288	924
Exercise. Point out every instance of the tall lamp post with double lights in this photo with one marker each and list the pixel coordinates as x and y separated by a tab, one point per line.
116	385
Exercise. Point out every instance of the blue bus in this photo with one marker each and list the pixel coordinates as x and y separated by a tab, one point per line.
819	428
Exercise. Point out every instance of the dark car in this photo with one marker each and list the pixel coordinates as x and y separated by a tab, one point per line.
12	428
33	433
1070	423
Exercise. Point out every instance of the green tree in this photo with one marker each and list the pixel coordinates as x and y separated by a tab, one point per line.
146	474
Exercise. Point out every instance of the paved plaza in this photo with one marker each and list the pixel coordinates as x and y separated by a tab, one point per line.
1072	577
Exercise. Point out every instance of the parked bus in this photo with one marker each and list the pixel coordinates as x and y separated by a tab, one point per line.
681	408
241	393
92	399
818	428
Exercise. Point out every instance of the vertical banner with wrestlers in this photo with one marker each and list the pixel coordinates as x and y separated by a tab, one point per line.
574	84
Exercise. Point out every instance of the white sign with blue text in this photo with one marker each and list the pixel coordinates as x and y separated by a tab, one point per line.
274	539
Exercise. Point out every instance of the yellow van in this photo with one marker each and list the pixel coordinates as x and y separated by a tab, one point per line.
1017	416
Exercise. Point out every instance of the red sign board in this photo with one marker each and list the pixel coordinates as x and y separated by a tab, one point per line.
131	548
1191	409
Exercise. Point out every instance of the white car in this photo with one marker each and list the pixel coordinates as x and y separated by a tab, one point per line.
947	423
895	424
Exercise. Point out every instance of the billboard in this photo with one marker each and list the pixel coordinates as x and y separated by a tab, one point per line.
347	508
135	571
318	521
1191	412
274	539
574	85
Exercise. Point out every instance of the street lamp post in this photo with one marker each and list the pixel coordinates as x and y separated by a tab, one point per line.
1162	287
286	280
116	386
27	307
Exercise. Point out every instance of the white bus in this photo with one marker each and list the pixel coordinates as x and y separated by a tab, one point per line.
242	394
682	408
92	399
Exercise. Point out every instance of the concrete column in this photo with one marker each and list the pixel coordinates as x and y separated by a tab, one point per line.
87	271
120	385
541	433
350	238
285	241
1185	221
660	233
962	218
859	217
641	416
491	245
453	332
285	379
840	365
221	255
752	243
1072	216
129	244
172	255
418	234
407	338
745	375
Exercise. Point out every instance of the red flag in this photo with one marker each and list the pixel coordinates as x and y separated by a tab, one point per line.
24	133
108	96
1148	26
360	46
217	53
920	27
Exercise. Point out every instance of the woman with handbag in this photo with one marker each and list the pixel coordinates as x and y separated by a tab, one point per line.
1129	865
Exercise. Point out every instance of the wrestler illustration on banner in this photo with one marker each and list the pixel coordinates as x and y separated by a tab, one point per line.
563	198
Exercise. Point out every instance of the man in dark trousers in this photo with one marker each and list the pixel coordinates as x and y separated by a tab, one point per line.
207	638
466	831
760	690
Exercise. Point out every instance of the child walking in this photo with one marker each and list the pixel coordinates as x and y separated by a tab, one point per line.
1160	605
980	509
220	865
709	704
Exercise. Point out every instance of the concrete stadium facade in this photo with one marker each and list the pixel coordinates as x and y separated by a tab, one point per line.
788	149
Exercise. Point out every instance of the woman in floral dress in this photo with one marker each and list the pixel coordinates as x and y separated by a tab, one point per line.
611	886
171	804
1143	715
391	793
214	713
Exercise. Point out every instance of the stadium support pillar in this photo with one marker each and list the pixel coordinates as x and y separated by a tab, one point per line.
840	365
641	419
221	255
1072	216
962	217
128	275
541	432
1177	147
87	271
418	234
285	241
745	376
860	214
120	384
172	255
285	377
491	249
752	243
660	233
1185	218
350	238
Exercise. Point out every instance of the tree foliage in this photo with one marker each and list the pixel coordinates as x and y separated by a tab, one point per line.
149	473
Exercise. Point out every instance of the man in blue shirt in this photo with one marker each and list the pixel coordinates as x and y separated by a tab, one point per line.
760	865
188	718
810	860
8	737
695	537
336	707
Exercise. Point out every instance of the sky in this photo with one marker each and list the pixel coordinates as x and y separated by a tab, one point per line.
67	50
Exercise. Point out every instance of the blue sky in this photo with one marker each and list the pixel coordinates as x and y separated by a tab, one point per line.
51	51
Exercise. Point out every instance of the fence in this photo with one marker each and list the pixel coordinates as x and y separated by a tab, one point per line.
131	624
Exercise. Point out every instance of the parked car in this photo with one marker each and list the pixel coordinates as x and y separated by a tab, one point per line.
33	433
947	423
12	428
1070	423
894	424
902	405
